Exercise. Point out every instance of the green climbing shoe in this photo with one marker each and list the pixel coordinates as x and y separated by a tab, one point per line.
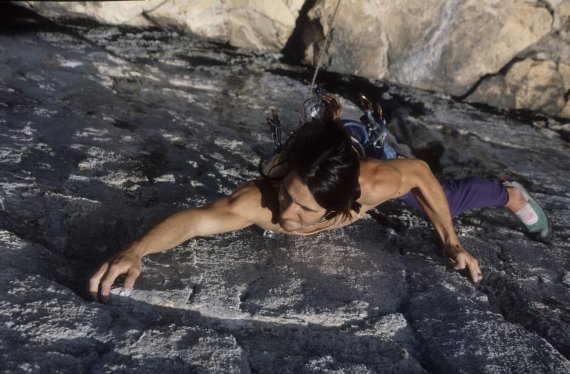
532	216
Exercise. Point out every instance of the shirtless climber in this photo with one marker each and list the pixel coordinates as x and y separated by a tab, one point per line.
321	181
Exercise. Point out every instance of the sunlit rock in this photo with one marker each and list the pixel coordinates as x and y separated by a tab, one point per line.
460	48
112	12
258	25
536	85
529	84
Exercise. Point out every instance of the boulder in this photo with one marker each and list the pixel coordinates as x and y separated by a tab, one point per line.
205	18
358	44
528	84
487	38
493	91
560	10
537	85
462	48
438	45
113	12
257	24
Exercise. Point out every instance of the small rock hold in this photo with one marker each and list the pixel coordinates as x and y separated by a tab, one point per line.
566	279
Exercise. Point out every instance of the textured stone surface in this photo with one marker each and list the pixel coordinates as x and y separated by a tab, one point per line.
113	12
106	129
461	48
359	43
258	24
564	70
536	85
566	110
439	45
529	84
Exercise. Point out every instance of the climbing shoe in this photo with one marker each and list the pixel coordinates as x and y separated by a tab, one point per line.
532	216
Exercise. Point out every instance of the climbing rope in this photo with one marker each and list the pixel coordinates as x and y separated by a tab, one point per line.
322	51
313	106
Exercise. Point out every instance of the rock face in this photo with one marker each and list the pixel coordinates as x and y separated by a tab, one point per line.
528	84
437	45
258	24
106	129
115	13
454	47
463	48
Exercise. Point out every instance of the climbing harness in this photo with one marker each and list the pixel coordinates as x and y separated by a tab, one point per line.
369	135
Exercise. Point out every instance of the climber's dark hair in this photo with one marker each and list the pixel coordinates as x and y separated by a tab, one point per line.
321	154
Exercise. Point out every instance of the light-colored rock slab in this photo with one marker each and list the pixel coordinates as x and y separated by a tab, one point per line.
536	85
112	12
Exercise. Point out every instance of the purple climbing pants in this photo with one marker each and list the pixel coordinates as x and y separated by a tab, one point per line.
467	193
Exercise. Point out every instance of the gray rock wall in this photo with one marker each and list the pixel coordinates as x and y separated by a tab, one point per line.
509	54
106	129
